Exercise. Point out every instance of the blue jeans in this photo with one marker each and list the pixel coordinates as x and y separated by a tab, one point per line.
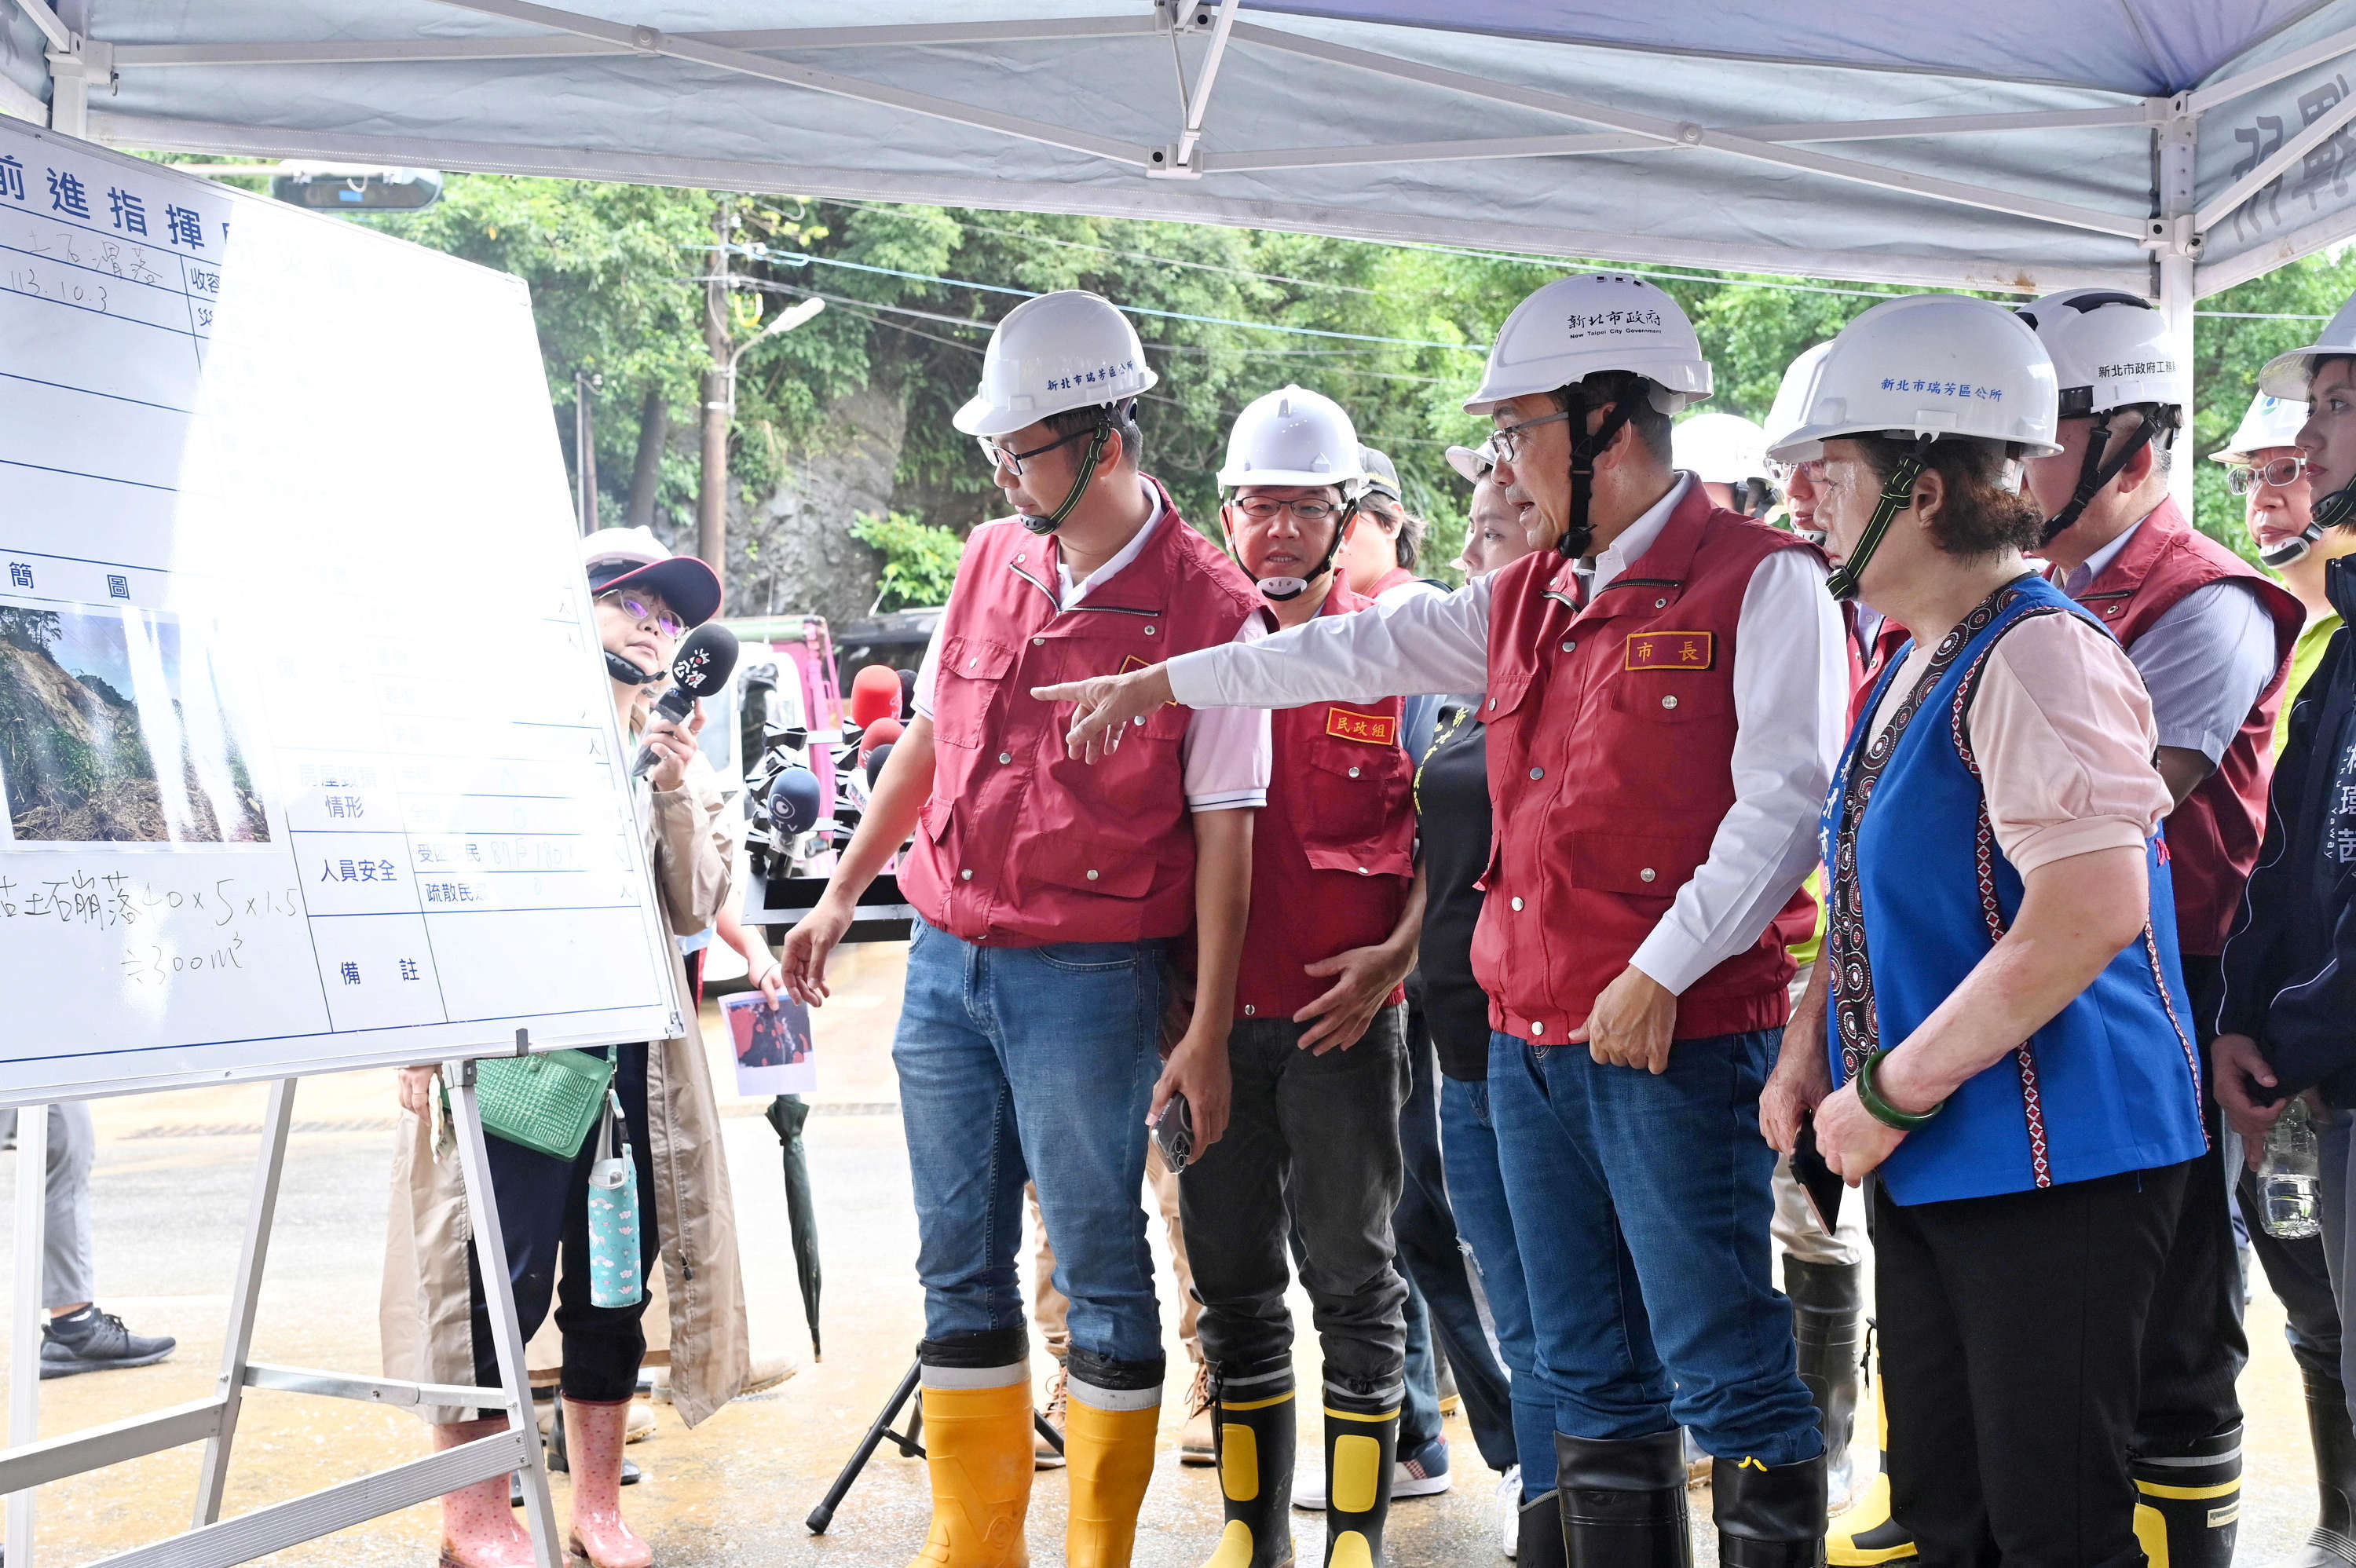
1641	1203
1476	1190
1030	1063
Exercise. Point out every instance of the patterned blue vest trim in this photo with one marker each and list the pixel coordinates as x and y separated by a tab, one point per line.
1920	892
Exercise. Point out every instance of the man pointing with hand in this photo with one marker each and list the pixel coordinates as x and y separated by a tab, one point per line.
1664	706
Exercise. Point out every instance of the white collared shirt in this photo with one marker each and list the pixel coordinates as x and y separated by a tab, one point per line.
1791	706
1228	755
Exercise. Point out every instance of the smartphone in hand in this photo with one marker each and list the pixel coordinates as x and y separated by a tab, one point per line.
1174	1131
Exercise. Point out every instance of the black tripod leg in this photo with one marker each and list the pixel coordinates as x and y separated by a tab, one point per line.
823	1515
1054	1437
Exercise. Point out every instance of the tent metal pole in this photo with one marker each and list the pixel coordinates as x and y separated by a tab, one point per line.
2177	247
53	29
399	51
1695	136
1199	103
2313	135
2203	98
654	41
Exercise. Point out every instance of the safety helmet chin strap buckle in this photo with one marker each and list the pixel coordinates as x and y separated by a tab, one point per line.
2336	508
1584	450
1080	480
2094	472
629	674
1896	495
2293	549
1284	590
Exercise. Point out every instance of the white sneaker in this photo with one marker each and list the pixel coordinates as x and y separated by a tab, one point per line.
1509	1510
1409	1478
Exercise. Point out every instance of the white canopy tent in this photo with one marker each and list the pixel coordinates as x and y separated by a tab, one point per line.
2171	148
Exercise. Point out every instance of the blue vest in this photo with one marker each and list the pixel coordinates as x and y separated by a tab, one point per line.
1920	892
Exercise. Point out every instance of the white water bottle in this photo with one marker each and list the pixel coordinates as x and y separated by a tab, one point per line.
2290	1177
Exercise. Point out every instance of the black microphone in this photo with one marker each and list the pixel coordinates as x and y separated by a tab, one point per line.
703	667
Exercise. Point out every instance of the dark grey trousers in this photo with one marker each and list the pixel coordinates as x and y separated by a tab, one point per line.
1313	1144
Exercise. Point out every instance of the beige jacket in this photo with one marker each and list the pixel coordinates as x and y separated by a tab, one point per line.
423	1317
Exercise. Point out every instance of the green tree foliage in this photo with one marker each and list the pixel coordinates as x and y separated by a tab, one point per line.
920	558
1395	333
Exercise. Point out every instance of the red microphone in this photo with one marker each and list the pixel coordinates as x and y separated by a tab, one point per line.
875	693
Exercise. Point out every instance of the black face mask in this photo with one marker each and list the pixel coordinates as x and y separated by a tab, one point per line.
629	674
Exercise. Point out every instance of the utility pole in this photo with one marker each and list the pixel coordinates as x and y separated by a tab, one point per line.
719	387
584	450
719	398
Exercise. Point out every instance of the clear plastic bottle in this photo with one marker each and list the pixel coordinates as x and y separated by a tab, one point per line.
2290	1177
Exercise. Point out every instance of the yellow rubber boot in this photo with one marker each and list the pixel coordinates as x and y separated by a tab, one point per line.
1865	1535
1110	1453
1254	1445
978	1452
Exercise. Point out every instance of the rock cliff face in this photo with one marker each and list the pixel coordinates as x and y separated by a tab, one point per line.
793	552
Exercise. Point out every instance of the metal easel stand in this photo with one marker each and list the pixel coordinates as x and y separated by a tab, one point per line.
212	1541
882	1431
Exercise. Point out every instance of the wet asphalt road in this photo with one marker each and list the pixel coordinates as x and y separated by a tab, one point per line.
174	1172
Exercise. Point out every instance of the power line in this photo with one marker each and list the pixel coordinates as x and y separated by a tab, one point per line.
1115	251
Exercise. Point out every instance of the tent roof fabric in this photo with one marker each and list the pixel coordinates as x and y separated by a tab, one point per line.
1987	144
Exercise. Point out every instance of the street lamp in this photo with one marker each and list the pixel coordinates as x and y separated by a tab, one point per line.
719	408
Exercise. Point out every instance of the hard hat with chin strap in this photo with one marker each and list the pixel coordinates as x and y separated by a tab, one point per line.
2270	422
2288	376
1067	350
1928	368
1576	328
2110	350
1294	437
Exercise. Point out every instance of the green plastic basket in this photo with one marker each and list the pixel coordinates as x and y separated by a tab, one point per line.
546	1101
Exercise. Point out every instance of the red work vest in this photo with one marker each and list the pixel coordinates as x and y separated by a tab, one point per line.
1390	580
1866	665
1020	844
2212	837
1334	849
1611	765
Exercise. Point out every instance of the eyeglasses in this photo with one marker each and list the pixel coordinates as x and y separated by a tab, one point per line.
1006	457
1505	441
1264	509
1781	473
2245	478
642	610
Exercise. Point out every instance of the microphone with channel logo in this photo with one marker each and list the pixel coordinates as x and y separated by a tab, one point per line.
701	668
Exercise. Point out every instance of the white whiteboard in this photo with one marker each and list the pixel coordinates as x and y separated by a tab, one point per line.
308	755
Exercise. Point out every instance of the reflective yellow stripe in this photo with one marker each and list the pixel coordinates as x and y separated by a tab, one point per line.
1253	1403
1354	1415
2154	1489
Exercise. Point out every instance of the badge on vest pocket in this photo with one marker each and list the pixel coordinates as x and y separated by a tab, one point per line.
1670	650
1133	662
1370	729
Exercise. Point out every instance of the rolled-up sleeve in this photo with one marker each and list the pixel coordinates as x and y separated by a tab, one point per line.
1429	643
1229	753
2064	733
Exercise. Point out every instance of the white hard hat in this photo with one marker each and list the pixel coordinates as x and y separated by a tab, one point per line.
1573	328
2269	422
2287	375
1720	449
1791	394
2109	349
1293	436
1066	350
1935	365
1380	474
1472	462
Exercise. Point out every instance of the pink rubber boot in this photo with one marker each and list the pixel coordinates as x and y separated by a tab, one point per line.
478	1529
592	1437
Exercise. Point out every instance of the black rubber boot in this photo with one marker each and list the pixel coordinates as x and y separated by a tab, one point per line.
1253	1420
1360	1444
2190	1502
1623	1501
1827	1309
1540	1543
2332	1542
1768	1517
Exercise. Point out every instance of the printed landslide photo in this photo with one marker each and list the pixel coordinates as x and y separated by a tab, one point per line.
113	730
